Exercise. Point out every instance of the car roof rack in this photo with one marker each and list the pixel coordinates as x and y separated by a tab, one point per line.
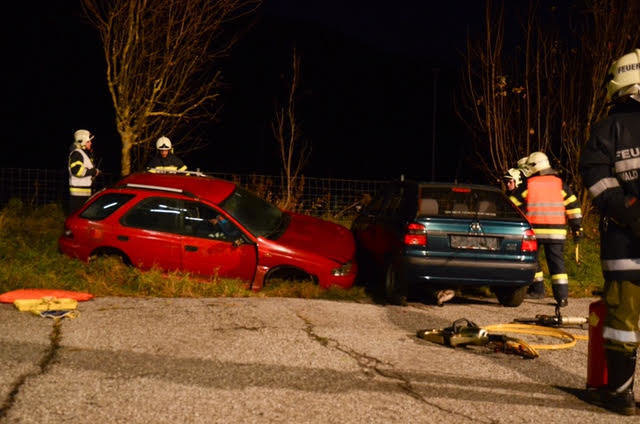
158	188
195	173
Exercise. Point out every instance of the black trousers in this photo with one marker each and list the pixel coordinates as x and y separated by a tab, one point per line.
554	252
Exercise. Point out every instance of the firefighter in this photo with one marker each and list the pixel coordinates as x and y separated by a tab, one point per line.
82	171
512	180
548	203
610	166
165	160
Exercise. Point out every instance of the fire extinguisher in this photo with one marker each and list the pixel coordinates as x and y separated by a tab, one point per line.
596	361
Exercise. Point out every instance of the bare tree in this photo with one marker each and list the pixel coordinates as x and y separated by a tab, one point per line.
505	98
294	150
161	60
545	94
608	30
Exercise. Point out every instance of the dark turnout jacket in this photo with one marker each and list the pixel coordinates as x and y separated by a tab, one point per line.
610	166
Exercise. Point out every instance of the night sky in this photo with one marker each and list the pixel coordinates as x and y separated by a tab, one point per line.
366	88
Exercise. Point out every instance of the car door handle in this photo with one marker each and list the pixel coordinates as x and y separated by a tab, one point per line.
189	248
123	238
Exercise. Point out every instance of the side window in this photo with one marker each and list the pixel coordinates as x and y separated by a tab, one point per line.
105	205
205	222
155	213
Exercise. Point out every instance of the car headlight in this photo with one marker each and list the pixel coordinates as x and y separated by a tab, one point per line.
342	270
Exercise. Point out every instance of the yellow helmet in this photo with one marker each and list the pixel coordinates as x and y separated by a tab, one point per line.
623	78
537	161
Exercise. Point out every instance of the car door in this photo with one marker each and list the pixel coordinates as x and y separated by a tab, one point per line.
151	236
212	245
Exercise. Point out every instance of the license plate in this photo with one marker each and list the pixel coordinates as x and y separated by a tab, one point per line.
475	242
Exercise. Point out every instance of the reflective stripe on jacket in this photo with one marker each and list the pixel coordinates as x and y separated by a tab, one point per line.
168	164
610	168
545	204
80	173
548	203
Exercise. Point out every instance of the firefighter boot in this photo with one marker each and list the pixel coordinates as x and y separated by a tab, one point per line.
561	294
536	290
621	367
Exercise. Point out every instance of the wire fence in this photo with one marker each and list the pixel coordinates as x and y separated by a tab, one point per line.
314	196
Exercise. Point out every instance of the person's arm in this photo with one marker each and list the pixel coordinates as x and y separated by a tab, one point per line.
77	168
596	167
519	196
573	211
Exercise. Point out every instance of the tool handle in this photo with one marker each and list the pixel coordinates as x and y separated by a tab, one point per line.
573	320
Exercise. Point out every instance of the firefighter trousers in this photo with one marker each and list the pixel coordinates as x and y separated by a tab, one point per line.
620	330
554	252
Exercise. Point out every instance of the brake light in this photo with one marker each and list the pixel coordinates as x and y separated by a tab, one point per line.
416	235
461	190
529	242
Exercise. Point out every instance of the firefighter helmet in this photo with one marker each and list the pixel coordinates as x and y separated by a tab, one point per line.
623	78
524	167
81	137
163	143
515	175
537	161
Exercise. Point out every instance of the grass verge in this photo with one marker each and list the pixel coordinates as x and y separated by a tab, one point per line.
29	258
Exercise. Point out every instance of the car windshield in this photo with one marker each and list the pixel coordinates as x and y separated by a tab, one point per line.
258	216
465	202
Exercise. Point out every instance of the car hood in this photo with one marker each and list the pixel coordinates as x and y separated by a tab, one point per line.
320	237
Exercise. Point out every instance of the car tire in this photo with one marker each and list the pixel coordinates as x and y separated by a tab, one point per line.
510	296
395	288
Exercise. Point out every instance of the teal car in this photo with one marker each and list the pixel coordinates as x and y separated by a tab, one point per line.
445	236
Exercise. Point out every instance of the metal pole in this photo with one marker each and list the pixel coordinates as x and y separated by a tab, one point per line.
433	126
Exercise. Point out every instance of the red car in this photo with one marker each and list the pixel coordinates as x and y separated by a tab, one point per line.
208	227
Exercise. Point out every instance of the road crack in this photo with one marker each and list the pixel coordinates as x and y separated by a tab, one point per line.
371	365
43	366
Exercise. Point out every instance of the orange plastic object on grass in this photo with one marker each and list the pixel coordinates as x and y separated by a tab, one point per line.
20	294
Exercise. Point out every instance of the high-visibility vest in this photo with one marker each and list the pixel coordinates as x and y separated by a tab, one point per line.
545	201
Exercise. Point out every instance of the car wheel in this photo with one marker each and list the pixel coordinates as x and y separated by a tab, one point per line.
109	252
510	296
395	288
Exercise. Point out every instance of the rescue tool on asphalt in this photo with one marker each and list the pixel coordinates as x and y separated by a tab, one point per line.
556	320
464	333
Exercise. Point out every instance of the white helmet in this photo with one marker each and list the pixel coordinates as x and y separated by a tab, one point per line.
623	78
515	175
524	167
81	137
163	143
537	162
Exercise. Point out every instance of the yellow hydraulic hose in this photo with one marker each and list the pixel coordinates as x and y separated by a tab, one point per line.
538	330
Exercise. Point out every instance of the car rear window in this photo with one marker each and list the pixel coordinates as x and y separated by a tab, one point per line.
467	202
105	205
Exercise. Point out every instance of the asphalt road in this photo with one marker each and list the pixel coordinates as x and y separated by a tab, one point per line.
269	360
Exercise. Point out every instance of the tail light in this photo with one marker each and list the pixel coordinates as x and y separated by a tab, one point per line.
416	235
529	242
